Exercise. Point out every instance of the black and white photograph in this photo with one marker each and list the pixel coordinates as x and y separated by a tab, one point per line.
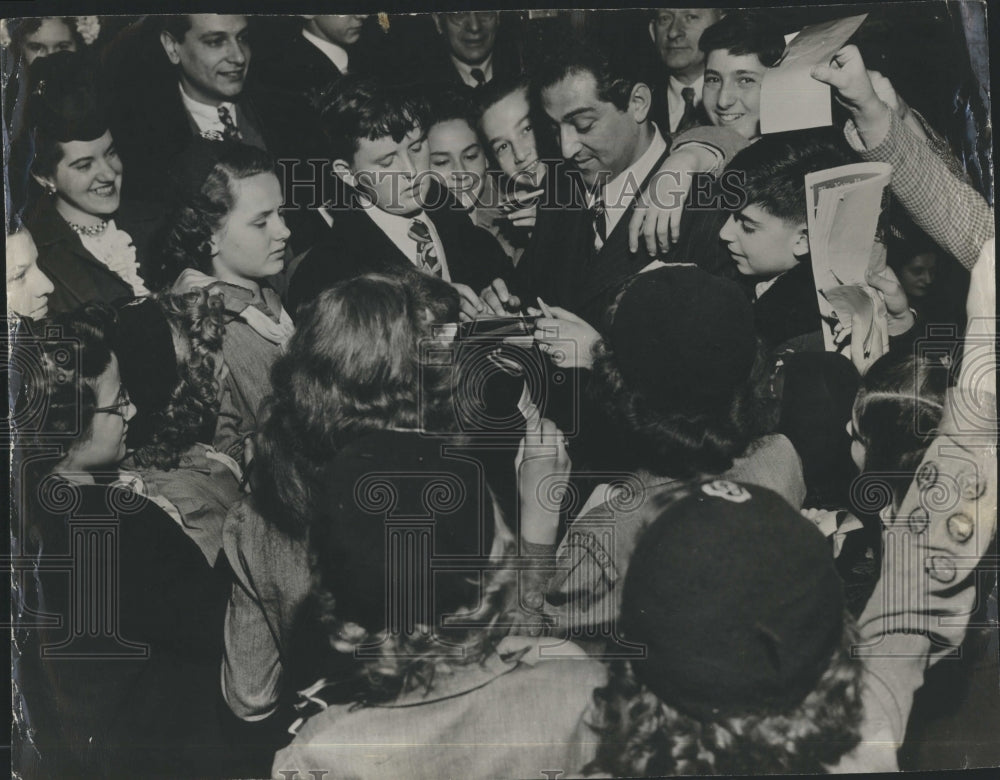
509	394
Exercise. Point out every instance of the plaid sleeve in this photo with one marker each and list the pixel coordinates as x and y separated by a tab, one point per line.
951	212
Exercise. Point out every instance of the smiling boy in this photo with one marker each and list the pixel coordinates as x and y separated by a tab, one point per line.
737	51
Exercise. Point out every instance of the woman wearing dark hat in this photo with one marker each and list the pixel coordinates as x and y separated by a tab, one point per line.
118	637
226	235
170	351
91	244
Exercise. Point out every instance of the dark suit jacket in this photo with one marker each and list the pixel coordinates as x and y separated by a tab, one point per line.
77	276
561	266
355	245
787	314
295	65
151	127
659	110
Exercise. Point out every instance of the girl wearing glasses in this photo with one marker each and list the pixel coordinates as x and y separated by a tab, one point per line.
118	624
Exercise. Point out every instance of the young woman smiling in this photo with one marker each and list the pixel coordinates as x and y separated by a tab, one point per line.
91	244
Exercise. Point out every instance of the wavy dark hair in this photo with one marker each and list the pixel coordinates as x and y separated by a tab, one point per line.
203	198
896	413
680	445
354	365
196	321
54	366
411	661
643	736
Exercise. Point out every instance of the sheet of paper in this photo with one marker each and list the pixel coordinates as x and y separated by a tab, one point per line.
790	98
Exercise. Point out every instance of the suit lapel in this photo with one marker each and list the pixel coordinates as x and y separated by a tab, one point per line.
614	263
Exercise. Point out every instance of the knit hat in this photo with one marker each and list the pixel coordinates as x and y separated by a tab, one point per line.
395	501
683	339
144	345
736	598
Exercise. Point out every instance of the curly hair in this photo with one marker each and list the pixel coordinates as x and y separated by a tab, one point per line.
59	360
196	323
204	199
680	445
896	413
409	661
354	365
643	736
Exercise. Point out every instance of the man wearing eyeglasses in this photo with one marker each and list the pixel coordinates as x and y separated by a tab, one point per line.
470	38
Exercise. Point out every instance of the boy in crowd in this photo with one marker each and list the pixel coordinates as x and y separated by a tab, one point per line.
737	51
768	239
377	138
457	154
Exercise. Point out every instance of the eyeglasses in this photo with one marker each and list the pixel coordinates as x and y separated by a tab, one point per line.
120	407
459	18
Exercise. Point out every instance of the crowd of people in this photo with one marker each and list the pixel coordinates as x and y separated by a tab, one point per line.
475	416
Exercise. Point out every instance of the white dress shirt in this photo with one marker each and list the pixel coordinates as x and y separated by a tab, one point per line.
675	99
397	228
336	54
465	70
619	193
206	117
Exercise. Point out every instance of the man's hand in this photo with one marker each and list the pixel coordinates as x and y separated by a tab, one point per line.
470	304
656	219
847	74
498	300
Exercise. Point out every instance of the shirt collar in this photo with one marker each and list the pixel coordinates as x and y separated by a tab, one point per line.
397	228
619	193
675	86
465	70
336	54
205	116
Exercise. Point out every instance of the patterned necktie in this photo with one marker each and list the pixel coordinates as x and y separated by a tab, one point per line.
479	76
229	130
597	215
688	118
427	259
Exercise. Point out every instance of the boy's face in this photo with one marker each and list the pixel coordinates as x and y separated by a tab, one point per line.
731	94
762	244
507	128
393	175
455	153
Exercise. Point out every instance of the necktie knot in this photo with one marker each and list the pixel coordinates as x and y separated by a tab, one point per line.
479	76
689	118
229	130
